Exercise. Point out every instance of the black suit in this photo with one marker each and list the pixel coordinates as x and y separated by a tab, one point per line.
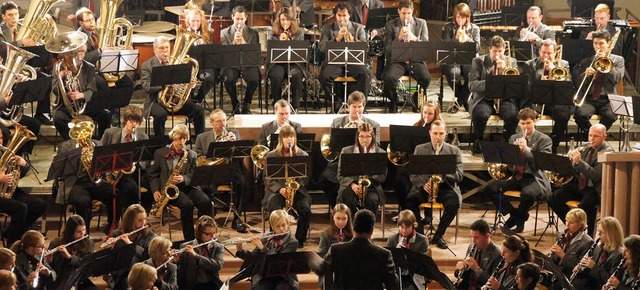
65	268
594	278
573	252
25	265
24	210
251	75
462	71
356	9
488	259
279	72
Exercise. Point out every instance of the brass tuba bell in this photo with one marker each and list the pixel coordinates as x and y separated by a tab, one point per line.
259	155
325	148
36	25
14	65
67	45
113	32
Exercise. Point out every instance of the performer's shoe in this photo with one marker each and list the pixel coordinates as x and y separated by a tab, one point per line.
44	120
238	226
439	242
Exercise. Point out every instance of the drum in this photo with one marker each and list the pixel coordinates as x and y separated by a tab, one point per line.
265	33
154	27
376	47
143	42
316	57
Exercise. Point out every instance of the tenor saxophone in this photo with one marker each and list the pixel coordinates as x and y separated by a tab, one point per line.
291	187
170	191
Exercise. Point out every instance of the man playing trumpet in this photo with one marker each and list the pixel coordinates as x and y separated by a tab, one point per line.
537	31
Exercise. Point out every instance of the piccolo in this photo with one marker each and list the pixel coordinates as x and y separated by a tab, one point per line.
54	250
111	242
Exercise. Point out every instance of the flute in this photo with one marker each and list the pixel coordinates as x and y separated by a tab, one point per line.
54	250
111	242
37	278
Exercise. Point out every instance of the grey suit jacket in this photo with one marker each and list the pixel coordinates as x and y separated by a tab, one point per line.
536	68
145	78
418	243
356	8
609	80
201	268
417	26
87	79
307	13
271	127
205	138
274	185
593	170
114	136
70	181
7	35
162	168
289	245
451	28
93	52
249	34
541	143
340	122
452	180
330	33
481	67
346	181
542	32
326	240
490	257
170	279
578	246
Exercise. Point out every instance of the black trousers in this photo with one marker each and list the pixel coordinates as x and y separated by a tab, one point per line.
277	74
446	196
84	191
330	72
402	187
589	201
24	210
371	201
190	109
461	78
61	119
393	71
589	108
32	124
251	76
119	94
560	115
329	183
529	191
188	198
484	109
127	194
302	205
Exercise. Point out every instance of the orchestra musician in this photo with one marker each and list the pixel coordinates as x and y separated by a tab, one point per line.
530	180
199	267
304	14
597	100
361	10
449	194
493	63
240	33
284	29
629	276
276	244
351	189
540	69
536	31
8	280
342	30
7	259
482	257
460	29
66	260
142	277
408	238
527	276
405	28
606	257
601	17
195	19
282	110
159	253
340	230
586	187
573	243
278	192
162	51
515	251
29	266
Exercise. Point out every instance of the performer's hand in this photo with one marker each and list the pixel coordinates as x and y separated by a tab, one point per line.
493	283
283	192
589	35
460	265
177	179
125	238
231	136
76	95
239	247
43	270
32	276
522	143
500	63
157	196
21	161
590	71
5	178
427	187
374	33
613	281
283	36
575	157
256	241
588	262
189	249
472	263
556	249
549	65
355	188
63	251
28	42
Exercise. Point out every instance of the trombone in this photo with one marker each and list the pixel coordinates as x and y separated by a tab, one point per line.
602	64
508	71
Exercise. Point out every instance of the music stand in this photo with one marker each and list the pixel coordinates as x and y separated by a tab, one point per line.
552	93
420	264
240	56
580	49
345	53
523	50
455	54
412	52
499	87
360	165
63	165
622	106
115	61
547	263
378	18
284	168
284	264
584	8
213	175
293	51
207	57
303	140
342	137
169	75
103	262
404	139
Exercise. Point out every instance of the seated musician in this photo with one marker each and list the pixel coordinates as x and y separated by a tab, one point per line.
460	29
174	165
340	230
284	29
304	14
23	208
28	251
328	177
515	251
601	17
586	187
86	78
220	133
482	257
142	277
351	191
594	271
527	276
280	241
200	266
282	110
536	31
540	68
8	280
277	193
240	33
195	19
405	28
159	253
530	180
152	107
493	63
408	238
596	100
342	30
66	260
628	277
571	246
7	259
361	10
449	194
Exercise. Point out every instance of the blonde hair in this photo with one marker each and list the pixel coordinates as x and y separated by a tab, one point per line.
142	276
602	8
611	229
157	244
7	279
577	215
204	26
407	218
179	131
30	239
278	216
436	112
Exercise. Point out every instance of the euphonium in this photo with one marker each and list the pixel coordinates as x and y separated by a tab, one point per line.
15	62
435	179
559	73
174	99
113	32
67	45
36	25
602	64
82	133
349	37
169	191
9	162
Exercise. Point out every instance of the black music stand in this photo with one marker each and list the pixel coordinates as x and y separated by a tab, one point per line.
622	106
239	148
420	264
208	59
253	6
287	52
635	101
103	262
552	93
584	8
214	175
63	165
240	56
378	18
342	137
284	168
169	75
284	264
523	50
404	139
346	54
303	140
117	61
455	54
506	87
580	49
358	164
412	52
547	263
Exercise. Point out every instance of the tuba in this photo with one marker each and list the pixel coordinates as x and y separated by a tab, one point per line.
82	133
67	45
174	99
169	191
36	25
9	162
113	32
15	63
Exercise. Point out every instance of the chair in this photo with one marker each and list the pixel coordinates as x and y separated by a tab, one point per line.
406	91
538	202
440	207
573	204
173	118
345	81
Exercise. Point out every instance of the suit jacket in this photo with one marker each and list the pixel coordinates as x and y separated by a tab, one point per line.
170	279
162	168
274	185
145	78
346	181
417	26
536	68
256	259
356	8
114	136
451	28
481	67
418	243
541	143
65	268
201	269
271	127
326	240
593	170
330	31
452	180
93	52
340	122
7	35
70	181
307	13
490	257
542	32
609	80
600	273
205	138
25	265
118	279
87	79
578	246
249	34
359	264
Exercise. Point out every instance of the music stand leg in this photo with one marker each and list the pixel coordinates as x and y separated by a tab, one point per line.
553	222
454	107
499	219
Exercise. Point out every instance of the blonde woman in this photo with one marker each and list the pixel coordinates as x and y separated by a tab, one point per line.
29	250
159	253
142	277
8	280
571	246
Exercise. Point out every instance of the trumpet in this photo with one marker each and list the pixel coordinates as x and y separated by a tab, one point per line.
461	35
115	240
608	286
237	37
602	64
461	273
526	34
348	37
405	27
54	250
285	35
580	267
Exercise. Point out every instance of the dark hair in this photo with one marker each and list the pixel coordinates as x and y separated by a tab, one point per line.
132	113
497	41
405	4
342	5
70	228
530	270
481	226
293	29
364	127
6	6
238	9
527	113
601	34
203	222
632	243
348	229
363	221
517	243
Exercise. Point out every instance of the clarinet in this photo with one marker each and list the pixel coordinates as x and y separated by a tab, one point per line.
560	242
580	267
461	273
493	275
608	286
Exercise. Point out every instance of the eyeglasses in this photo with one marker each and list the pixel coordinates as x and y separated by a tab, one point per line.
365	136
208	234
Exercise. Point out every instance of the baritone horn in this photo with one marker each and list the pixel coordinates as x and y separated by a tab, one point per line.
602	64
36	24
67	45
174	99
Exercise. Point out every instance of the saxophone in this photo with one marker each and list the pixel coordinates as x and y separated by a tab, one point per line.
169	191
8	161
363	183
435	179
291	186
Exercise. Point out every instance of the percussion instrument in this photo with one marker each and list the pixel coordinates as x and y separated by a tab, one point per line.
143	42
154	26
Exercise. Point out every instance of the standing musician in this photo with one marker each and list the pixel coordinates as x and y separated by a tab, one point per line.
573	243
340	230
66	260
29	266
159	253
482	257
304	14
279	221
278	191
342	30
493	63
448	191
460	29
162	51
361	9
351	187
240	33
284	29
530	180
408	238
597	100
587	185
328	178
405	28
199	268
626	279
597	269
165	161
282	110
515	251
540	68
536	31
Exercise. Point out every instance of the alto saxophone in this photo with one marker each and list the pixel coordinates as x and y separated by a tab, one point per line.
363	183
291	187
170	191
435	179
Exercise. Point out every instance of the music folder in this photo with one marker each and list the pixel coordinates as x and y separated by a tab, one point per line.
171	74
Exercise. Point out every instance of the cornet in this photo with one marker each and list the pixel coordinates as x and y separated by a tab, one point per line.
348	37
405	27
461	34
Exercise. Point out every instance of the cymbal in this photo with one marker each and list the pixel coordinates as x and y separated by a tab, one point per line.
311	32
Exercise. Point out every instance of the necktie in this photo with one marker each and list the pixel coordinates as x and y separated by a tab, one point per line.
164	62
365	14
94	39
205	252
603	257
15	34
127	138
597	86
583	181
521	168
